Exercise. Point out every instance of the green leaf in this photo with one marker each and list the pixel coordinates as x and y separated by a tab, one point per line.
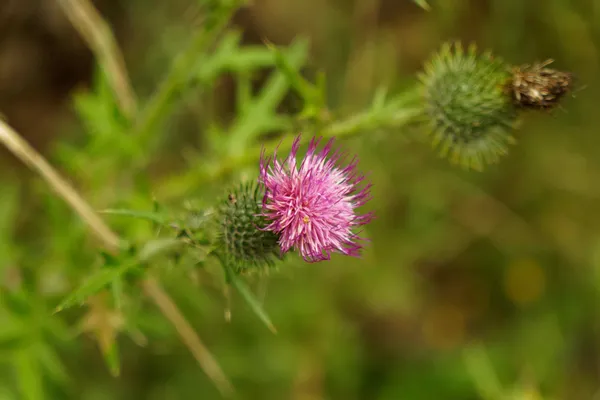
243	93
111	274
157	247
310	93
155	217
104	123
117	292
249	297
28	375
18	303
379	99
423	4
112	359
260	114
313	94
12	341
98	281
52	363
249	58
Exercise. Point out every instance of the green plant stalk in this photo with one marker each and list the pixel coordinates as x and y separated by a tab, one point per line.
393	116
189	336
248	124
177	77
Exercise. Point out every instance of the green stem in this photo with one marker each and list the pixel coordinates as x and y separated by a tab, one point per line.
179	76
394	115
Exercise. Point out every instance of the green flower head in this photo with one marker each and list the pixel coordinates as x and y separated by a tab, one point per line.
243	242
471	116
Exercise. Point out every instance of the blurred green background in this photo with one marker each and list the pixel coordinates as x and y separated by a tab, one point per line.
474	286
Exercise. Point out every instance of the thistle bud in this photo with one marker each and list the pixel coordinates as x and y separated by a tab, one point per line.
471	115
242	241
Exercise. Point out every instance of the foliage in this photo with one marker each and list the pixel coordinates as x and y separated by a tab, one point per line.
454	254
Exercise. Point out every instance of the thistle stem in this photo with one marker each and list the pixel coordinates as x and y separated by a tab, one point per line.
390	116
179	74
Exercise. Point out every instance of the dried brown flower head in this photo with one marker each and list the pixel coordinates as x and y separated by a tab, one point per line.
537	87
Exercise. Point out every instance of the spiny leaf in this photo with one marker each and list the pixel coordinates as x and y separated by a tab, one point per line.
117	284
108	275
312	94
112	359
231	56
104	323
259	114
94	284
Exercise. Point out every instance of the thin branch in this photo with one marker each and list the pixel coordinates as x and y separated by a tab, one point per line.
98	36
187	333
353	125
29	156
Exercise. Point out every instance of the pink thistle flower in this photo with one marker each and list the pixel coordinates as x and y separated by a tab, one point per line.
313	208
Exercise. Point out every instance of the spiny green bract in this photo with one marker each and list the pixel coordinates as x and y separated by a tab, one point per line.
471	116
242	242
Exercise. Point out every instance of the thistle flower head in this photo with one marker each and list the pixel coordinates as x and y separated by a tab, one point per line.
312	207
471	115
242	240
